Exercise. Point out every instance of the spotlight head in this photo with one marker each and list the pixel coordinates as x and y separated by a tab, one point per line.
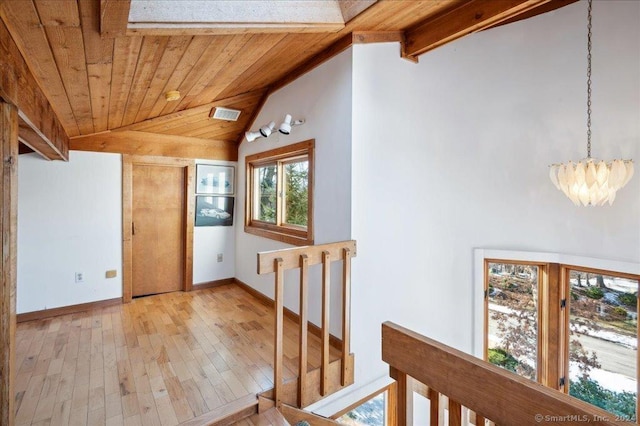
285	127
268	129
252	136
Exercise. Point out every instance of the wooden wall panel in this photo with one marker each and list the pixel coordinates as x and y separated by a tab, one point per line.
143	143
256	51
148	60
190	57
114	16
173	52
99	56
196	122
8	223
202	67
19	87
21	18
125	54
61	21
97	83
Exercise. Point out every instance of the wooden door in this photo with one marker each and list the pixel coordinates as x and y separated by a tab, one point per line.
158	228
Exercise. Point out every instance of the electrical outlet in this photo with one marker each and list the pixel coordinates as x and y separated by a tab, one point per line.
79	277
111	273
219	257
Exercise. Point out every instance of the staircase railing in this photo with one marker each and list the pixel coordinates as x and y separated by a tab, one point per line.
491	393
311	386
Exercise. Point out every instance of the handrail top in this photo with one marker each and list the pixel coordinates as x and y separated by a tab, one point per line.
291	256
490	391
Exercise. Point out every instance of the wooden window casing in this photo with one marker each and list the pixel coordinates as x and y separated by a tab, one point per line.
553	319
279	230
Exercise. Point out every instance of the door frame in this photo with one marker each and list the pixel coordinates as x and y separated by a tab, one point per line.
128	161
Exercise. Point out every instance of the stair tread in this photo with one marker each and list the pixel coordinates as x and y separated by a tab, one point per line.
271	417
228	413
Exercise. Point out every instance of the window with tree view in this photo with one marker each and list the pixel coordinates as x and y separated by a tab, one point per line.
571	328
512	298
279	194
603	345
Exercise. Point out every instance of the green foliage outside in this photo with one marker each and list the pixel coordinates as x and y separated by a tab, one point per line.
268	176
594	293
628	299
619	403
296	176
620	312
503	359
297	193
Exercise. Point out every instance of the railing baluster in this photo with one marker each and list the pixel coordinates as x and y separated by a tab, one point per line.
279	324
304	281
434	407
277	261
455	413
326	296
346	312
403	391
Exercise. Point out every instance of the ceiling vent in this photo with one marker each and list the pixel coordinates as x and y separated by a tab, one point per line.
227	114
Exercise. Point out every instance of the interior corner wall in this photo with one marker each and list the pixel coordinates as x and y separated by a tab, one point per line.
209	241
323	98
452	154
69	220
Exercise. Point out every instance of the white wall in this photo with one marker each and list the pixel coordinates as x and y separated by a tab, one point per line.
323	98
69	220
208	241
452	154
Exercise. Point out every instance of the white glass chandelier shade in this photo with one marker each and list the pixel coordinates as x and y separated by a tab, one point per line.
590	182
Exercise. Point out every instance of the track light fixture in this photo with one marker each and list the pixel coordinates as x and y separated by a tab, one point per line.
266	130
285	127
252	136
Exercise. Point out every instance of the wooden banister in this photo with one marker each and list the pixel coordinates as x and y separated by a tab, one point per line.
491	392
301	258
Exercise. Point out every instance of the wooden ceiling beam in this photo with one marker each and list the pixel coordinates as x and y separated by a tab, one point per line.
547	7
465	18
114	17
34	141
18	86
146	143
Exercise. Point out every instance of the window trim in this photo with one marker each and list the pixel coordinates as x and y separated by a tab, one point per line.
555	287
286	233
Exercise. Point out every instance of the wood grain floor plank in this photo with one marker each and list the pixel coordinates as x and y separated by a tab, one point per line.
163	359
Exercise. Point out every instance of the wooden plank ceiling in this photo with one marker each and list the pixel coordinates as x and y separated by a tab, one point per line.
116	82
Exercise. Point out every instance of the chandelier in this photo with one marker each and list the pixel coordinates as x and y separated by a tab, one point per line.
591	182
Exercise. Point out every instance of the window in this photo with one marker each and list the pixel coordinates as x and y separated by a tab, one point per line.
512	305
279	203
602	331
374	409
571	328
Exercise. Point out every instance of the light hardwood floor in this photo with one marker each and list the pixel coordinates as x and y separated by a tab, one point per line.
160	360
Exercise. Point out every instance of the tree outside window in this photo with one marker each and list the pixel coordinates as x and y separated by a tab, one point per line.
280	194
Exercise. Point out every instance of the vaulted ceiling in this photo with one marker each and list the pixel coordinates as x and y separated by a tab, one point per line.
101	76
